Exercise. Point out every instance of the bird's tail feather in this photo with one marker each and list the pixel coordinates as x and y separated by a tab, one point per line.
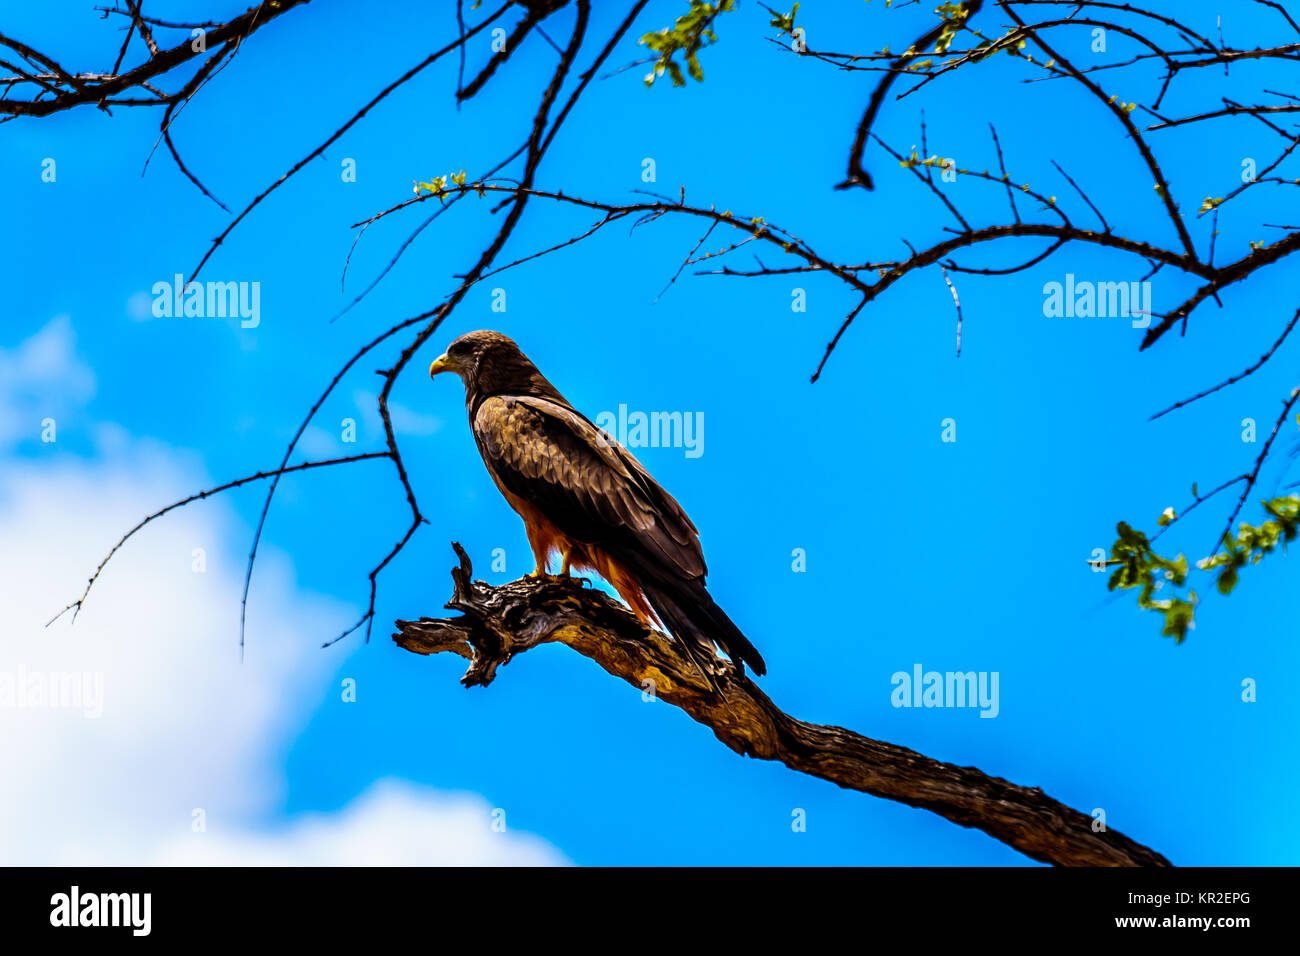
693	616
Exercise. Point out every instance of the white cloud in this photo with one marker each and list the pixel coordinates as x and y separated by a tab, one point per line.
317	443
184	724
139	307
406	421
392	824
41	378
409	422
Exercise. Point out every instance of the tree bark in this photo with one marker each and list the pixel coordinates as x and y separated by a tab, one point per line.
499	622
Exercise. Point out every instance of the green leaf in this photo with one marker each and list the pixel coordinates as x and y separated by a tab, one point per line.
1227	579
691	32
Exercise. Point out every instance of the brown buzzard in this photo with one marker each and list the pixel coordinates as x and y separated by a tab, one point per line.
585	496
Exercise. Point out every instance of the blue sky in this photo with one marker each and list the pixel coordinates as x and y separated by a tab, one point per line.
966	555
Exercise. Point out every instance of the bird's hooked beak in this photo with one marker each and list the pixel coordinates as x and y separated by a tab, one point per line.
442	364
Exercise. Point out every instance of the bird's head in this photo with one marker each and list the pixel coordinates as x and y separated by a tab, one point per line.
490	363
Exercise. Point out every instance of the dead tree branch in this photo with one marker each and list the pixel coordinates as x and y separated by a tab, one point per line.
497	623
68	90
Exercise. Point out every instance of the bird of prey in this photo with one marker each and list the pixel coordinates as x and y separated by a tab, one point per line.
585	496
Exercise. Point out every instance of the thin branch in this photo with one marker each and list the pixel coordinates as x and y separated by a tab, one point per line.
957	303
1122	115
1235	378
1253	477
858	176
356	117
76	605
86	92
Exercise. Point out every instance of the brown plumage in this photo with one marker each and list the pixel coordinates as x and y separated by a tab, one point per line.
585	496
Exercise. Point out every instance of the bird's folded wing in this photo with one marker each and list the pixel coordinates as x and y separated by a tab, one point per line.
585	483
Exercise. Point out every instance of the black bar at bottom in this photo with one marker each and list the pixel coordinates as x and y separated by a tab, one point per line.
621	906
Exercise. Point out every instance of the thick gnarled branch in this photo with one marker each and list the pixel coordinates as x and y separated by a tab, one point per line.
499	622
